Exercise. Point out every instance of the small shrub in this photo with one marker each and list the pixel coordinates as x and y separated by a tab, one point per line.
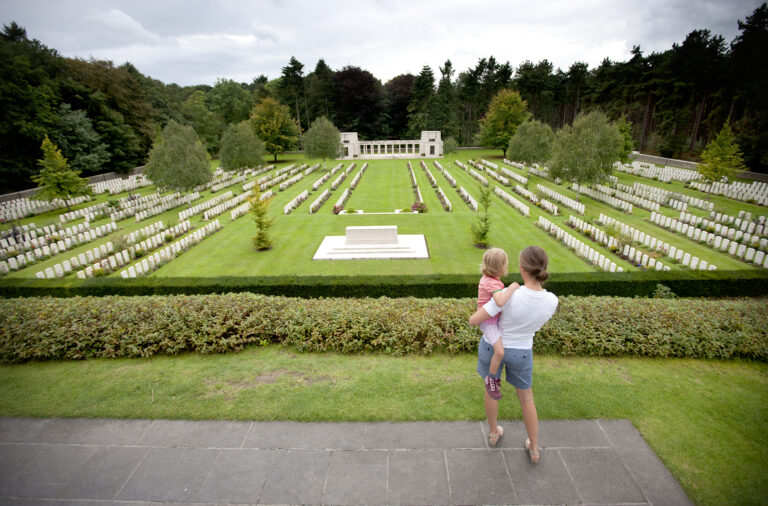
419	207
337	209
663	292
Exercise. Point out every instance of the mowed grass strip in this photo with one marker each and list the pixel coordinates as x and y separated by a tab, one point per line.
707	420
383	187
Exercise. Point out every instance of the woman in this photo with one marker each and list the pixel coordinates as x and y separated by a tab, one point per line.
529	308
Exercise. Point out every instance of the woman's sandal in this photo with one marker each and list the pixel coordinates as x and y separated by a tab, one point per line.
534	454
494	438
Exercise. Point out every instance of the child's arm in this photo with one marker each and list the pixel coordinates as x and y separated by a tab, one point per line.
501	297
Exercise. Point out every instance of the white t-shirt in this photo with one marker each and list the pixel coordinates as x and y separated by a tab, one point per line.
524	314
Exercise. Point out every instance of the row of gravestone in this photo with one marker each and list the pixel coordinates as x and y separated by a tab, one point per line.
38	254
656	244
566	201
730	244
512	201
751	237
634	255
629	197
165	255
81	261
581	249
604	196
666	195
100	258
227	205
24	207
167	206
204	206
31	237
665	174
129	206
120	185
757	191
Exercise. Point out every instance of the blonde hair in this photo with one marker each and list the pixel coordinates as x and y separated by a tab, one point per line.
534	261
495	263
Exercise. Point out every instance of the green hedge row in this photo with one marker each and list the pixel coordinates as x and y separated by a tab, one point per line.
745	283
113	326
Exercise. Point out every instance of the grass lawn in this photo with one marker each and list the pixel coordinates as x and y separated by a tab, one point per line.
383	190
707	420
384	187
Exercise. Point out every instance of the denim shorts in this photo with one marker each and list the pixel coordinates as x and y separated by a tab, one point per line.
517	363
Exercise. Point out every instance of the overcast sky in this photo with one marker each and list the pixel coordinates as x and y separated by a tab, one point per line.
198	41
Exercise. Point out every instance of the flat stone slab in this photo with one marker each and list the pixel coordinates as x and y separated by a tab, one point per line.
81	461
408	247
382	234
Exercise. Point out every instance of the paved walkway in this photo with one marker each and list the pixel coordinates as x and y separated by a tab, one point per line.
86	461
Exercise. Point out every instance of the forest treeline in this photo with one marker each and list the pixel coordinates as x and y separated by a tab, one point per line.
105	117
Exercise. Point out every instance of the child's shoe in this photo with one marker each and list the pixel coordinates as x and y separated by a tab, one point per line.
493	387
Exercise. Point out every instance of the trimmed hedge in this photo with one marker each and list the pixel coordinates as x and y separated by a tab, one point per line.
112	326
743	283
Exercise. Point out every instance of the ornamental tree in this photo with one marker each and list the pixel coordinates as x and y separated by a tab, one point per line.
178	161
482	229
56	179
273	124
240	147
531	143
322	140
505	113
260	211
722	157
585	152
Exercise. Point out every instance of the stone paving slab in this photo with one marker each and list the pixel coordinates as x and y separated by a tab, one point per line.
121	462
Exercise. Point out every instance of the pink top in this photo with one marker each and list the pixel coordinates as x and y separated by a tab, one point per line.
485	290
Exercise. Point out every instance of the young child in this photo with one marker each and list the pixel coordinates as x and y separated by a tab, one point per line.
494	266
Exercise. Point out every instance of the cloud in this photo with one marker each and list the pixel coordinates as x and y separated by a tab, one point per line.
198	41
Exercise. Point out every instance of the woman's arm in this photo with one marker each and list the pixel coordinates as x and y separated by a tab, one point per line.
479	317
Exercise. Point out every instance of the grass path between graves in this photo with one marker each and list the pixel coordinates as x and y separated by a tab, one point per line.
707	420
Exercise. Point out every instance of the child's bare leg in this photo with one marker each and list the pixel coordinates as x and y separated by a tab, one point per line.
498	356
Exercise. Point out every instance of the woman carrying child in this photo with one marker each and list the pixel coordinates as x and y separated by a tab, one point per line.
525	311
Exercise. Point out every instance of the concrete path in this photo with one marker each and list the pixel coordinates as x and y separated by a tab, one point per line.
96	461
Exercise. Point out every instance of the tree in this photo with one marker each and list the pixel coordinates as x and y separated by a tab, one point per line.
446	103
292	86
505	112
260	209
79	142
207	124
482	228
585	152
722	157
320	92
422	100
322	140
358	101
240	147
273	124
450	146
625	128
230	101
178	161
397	97
532	143
56	179
749	77
261	87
